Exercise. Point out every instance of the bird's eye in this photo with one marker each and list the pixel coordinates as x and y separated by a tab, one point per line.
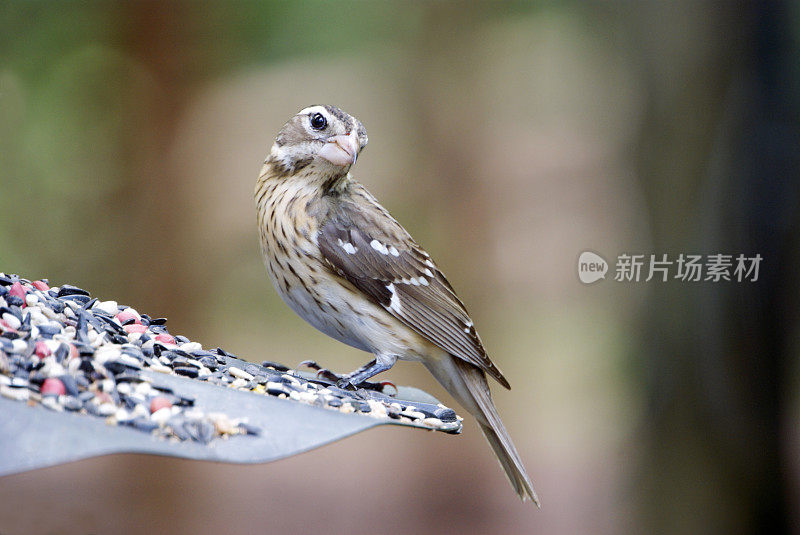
318	121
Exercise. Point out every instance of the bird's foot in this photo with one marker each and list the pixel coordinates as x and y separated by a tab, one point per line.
349	381
345	383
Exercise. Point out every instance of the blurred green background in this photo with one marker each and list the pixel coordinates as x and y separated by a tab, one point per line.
508	138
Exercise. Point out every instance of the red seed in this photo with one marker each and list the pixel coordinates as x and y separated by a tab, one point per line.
41	285
126	315
73	352
6	327
135	328
165	338
18	290
51	385
42	350
159	402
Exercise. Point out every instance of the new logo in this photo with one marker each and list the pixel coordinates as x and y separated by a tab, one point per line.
591	267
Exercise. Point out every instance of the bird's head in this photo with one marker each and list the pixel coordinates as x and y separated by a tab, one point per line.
324	137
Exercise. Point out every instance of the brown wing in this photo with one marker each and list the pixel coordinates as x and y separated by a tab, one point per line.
366	246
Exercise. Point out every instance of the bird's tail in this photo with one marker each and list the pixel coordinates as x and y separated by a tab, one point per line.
467	384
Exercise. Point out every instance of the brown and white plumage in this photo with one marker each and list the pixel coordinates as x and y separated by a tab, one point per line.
346	266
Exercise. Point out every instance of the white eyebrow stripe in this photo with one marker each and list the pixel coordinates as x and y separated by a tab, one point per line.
314	109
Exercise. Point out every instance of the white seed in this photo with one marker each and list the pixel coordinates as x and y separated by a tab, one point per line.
223	424
160	368
240	373
50	313
127	359
51	402
109	307
161	415
37	317
238	383
432	422
19	394
52	368
106	353
12	320
143	389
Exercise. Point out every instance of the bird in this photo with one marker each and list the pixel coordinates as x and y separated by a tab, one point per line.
346	266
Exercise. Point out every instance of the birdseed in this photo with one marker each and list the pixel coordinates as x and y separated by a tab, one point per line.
65	350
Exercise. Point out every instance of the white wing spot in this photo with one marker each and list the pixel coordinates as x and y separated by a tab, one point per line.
378	246
423	281
414	281
393	251
428	262
348	247
394	302
428	272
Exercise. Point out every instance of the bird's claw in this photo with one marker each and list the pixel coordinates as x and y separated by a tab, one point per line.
322	373
384	384
310	364
328	375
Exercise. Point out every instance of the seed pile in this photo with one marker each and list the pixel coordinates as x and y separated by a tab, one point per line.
67	351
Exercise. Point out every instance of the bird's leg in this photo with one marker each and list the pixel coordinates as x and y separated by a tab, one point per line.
359	377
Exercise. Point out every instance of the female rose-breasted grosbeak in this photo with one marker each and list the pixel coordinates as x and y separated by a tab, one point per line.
341	262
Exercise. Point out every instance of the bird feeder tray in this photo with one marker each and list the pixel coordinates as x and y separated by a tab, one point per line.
81	378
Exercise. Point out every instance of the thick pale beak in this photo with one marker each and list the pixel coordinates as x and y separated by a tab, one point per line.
341	150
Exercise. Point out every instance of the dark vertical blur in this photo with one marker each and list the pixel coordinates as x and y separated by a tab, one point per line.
719	157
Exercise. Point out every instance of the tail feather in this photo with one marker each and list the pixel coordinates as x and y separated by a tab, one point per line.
512	465
467	383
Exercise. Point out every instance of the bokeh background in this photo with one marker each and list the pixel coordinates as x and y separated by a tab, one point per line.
508	138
